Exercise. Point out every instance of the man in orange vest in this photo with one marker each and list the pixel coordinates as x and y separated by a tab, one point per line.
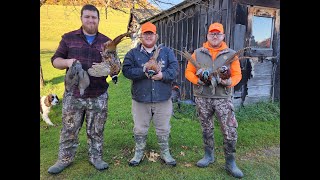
215	97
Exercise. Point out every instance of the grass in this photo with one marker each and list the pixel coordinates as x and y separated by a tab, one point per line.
258	132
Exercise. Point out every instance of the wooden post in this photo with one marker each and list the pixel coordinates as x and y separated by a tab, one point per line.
41	77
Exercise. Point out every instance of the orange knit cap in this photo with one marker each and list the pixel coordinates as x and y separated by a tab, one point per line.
148	26
216	26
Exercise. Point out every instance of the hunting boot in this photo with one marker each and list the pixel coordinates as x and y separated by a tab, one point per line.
229	151
95	154
139	149
208	150
58	167
99	164
164	150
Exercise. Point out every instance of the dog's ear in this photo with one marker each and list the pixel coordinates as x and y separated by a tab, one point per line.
57	97
47	100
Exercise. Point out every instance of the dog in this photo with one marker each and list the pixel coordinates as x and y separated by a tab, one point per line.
46	102
175	96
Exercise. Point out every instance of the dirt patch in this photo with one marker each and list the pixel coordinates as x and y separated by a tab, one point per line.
262	153
272	151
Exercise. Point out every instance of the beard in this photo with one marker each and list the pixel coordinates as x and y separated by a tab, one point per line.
148	43
90	29
215	43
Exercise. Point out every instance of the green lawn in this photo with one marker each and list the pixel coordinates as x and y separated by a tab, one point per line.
259	124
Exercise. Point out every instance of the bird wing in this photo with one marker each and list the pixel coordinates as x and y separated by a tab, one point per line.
99	69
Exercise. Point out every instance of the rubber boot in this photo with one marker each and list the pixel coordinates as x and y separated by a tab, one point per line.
208	150
164	150
95	154
139	149
58	167
99	164
231	167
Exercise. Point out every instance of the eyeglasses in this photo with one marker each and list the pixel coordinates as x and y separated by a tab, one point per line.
215	34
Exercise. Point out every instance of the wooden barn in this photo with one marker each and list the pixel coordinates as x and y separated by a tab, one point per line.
254	23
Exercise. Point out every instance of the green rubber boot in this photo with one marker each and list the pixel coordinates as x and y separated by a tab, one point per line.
208	157
231	167
164	150
57	167
139	149
99	164
208	150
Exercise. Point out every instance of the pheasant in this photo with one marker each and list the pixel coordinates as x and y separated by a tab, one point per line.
77	76
110	64
152	66
223	72
197	65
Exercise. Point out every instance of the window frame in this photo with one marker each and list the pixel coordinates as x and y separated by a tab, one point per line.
261	12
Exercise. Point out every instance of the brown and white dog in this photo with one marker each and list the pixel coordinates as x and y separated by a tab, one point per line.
46	102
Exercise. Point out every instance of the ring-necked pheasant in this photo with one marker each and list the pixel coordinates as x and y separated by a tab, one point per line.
223	72
110	64
152	66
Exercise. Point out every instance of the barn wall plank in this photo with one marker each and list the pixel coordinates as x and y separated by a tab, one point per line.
196	31
260	80
217	11
211	11
276	46
262	68
188	90
259	90
203	23
179	38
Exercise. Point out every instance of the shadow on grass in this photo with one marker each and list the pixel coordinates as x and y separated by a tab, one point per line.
55	80
45	51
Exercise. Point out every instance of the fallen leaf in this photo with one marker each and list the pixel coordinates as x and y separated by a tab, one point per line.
184	147
117	162
182	153
152	156
187	164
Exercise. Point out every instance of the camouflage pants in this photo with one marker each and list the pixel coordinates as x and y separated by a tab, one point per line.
224	111
74	111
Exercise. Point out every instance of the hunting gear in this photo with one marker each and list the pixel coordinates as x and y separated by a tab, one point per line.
214	70
85	97
151	69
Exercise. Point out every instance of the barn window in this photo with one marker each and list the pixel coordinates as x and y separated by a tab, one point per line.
261	36
261	25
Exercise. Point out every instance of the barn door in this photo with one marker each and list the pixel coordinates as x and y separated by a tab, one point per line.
260	80
263	36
